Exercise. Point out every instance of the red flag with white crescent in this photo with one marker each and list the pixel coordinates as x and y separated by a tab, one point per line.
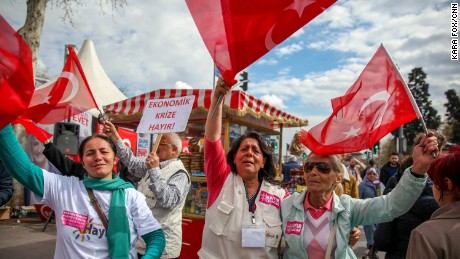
238	32
16	74
376	104
32	128
68	96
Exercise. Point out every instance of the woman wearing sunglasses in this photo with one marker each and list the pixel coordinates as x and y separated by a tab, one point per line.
317	223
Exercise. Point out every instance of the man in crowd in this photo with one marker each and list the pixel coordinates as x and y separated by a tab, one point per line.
354	168
350	186
290	164
390	168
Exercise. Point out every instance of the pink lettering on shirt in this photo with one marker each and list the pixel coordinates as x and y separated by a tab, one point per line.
73	219
270	199
294	227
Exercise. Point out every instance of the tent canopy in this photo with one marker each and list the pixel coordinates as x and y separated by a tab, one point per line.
103	89
237	103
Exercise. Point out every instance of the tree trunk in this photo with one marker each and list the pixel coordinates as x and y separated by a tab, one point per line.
32	29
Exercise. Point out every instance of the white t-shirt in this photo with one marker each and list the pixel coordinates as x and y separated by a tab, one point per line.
80	232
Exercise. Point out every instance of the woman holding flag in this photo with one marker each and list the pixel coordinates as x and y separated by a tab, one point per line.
317	223
83	207
243	210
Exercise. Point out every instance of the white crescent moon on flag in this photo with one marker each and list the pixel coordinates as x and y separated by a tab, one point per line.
298	6
73	82
269	44
380	96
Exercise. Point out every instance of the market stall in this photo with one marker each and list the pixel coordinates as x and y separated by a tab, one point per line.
241	112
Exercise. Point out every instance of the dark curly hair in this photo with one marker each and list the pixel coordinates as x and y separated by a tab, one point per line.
103	137
267	172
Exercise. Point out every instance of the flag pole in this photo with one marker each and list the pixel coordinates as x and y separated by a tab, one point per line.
221	98
411	97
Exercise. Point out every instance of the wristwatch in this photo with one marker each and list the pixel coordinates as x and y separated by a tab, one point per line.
414	174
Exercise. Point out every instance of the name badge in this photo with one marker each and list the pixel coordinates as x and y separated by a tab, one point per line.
253	236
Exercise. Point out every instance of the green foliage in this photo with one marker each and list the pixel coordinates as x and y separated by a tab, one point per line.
419	89
453	116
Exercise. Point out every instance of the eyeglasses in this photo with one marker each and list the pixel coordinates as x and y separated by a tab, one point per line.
164	143
322	167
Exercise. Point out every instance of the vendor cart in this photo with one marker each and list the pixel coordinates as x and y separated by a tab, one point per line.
241	112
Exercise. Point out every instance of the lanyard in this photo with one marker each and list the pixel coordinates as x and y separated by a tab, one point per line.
252	201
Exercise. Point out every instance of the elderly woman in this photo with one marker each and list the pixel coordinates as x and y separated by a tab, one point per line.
80	218
317	223
438	237
243	213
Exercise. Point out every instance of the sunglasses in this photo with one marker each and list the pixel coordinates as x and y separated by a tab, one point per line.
322	167
164	144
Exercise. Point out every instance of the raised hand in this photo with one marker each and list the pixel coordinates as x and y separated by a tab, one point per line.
152	160
110	130
423	153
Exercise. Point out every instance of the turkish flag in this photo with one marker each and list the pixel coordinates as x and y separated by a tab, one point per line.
377	103
129	138
16	74
68	96
238	32
32	128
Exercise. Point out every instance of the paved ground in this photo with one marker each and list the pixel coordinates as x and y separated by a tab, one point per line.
26	239
360	248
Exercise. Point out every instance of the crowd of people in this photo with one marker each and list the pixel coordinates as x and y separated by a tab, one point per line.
409	209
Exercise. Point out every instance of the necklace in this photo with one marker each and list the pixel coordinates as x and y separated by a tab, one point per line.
251	200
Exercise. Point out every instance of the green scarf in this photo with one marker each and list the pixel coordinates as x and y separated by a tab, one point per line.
118	232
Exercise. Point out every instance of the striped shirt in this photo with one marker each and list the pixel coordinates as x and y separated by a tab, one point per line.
168	193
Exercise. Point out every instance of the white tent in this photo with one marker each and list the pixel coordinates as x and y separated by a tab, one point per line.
103	89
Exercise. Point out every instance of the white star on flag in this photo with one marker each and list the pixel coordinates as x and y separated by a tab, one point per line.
352	132
299	6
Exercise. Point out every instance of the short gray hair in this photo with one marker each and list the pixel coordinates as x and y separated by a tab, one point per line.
176	141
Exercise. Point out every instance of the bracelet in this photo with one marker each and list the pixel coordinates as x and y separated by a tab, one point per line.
414	174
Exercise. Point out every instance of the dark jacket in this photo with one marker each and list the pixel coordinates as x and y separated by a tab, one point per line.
385	173
287	170
68	167
393	237
65	165
6	185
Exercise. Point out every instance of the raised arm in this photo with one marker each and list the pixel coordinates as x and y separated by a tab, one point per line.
136	166
65	165
18	163
213	128
400	200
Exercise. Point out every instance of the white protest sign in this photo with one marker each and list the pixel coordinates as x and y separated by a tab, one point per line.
166	115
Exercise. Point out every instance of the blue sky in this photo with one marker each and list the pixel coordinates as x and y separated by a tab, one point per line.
154	44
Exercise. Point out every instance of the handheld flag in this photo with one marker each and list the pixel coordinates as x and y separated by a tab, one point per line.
238	32
16	74
377	103
32	128
68	96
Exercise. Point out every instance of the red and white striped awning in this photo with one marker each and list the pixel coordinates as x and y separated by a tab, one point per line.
238	102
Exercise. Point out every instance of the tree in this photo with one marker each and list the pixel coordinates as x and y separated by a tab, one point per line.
419	89
36	9
453	116
31	33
